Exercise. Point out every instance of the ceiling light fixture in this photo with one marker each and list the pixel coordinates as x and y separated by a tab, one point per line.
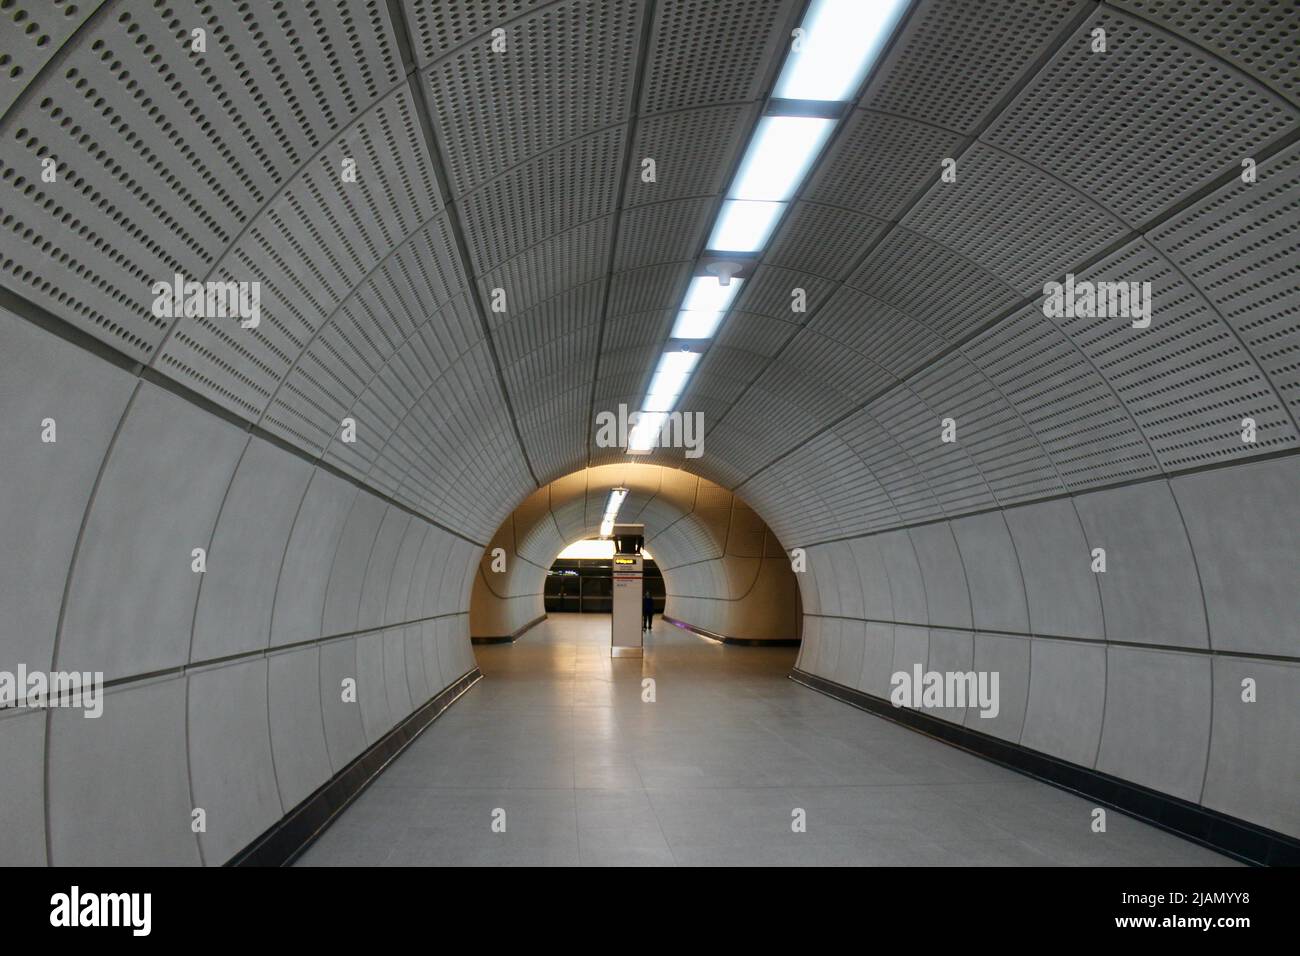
616	496
834	48
707	301
780	153
744	225
645	434
838	43
669	380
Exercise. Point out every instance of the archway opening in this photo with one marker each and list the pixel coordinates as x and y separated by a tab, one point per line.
724	574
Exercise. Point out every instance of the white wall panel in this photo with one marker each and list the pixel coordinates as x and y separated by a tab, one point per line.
302	761
946	593
1254	769
231	768
1008	656
133	759
1243	526
22	789
1150	591
906	586
345	736
348	571
237	594
877	660
992	571
1067	694
46	485
1157	726
131	601
379	568
300	591
1056	562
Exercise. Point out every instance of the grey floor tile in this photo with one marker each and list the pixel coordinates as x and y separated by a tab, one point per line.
710	774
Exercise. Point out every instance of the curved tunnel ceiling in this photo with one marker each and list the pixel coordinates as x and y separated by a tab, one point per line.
510	179
484	172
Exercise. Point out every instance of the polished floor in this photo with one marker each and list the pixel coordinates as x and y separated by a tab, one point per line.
557	740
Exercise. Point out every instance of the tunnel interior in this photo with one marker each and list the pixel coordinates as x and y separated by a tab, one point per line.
306	308
725	574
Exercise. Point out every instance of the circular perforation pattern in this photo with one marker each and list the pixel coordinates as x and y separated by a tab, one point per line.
991	431
1261	37
1013	220
442	25
692	151
1185	379
494	111
553	265
824	240
830	365
949	471
1141	125
932	285
878	162
1075	415
1241	248
551	194
646	289
769	292
951	65
889	338
31	32
663	232
711	51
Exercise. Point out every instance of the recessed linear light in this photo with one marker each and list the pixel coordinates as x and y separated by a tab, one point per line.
707	301
840	41
744	225
707	293
780	153
669	380
645	435
616	496
696	324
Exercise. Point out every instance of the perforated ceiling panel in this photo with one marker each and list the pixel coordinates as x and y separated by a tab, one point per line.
1196	117
879	162
1187	380
494	111
1045	227
1260	38
1241	248
712	51
948	70
502	268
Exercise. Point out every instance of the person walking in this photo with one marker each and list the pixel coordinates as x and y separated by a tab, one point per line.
647	610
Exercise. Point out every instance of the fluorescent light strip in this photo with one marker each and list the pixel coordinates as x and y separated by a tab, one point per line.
669	380
707	301
744	225
780	153
616	497
839	42
645	435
